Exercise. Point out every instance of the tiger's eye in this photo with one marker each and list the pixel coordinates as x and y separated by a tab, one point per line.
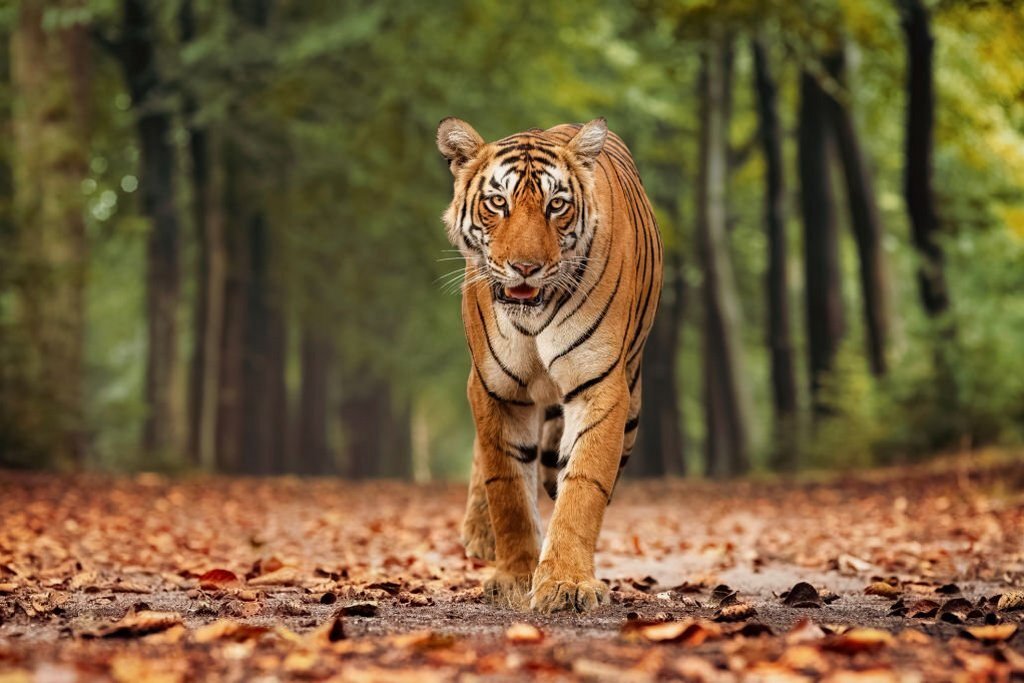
497	201
556	203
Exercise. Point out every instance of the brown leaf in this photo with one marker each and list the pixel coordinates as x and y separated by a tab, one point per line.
737	612
948	589
135	624
225	629
521	633
217	579
802	595
858	640
804	631
1011	601
285	576
688	632
991	634
886	590
923	609
359	609
424	640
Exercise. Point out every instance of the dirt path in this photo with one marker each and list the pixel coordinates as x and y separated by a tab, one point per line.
239	579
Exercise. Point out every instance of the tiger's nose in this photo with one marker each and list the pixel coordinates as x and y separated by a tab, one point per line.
526	268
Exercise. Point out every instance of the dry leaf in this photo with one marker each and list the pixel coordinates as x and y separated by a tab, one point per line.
217	579
1011	601
995	633
737	612
523	633
689	632
225	629
136	624
285	576
858	640
886	590
801	595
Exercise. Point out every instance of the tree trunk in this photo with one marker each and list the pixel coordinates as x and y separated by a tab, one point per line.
822	281
866	223
917	175
726	405
153	123
661	436
377	435
313	455
50	76
208	311
780	341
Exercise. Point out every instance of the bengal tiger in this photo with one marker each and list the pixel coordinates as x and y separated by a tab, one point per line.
562	281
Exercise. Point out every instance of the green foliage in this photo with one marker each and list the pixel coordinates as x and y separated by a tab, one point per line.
335	105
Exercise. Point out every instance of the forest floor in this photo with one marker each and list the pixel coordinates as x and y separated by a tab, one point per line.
909	574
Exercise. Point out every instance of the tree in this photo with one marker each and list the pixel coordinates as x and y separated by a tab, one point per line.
136	52
822	285
864	218
780	342
50	77
917	173
727	415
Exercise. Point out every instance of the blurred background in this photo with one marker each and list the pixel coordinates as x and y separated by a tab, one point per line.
221	247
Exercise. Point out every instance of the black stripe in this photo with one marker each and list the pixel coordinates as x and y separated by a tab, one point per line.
632	424
591	382
490	481
593	326
564	461
588	479
496	397
490	347
549	458
552	412
524	454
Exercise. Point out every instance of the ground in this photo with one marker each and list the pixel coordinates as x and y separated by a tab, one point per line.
914	574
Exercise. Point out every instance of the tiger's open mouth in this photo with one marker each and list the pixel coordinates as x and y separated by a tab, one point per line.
524	295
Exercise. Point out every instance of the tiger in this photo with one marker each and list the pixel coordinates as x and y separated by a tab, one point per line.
562	280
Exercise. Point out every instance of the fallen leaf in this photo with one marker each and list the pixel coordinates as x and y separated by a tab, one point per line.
886	590
226	629
802	595
923	609
136	624
689	632
737	612
360	609
1011	601
858	640
285	576
521	633
991	634
217	579
948	589
804	631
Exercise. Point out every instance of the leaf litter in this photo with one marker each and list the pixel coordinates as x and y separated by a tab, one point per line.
227	579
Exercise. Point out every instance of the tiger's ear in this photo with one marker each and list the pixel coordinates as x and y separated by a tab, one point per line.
458	142
589	141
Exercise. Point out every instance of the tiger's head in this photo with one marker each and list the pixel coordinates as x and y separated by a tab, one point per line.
523	213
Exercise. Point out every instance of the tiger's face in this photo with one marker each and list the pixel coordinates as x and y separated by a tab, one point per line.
522	212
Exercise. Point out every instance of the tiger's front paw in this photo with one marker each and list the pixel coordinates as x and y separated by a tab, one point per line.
507	589
552	595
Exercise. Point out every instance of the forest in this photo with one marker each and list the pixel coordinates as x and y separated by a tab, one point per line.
221	247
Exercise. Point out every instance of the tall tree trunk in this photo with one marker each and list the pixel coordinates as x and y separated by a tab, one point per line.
313	455
153	123
726	403
917	174
230	421
377	435
865	221
661	436
208	310
822	278
50	75
780	341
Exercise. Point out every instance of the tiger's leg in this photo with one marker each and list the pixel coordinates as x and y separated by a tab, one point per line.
551	436
506	450
477	534
591	447
632	427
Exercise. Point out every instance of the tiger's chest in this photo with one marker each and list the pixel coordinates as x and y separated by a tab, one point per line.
526	363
